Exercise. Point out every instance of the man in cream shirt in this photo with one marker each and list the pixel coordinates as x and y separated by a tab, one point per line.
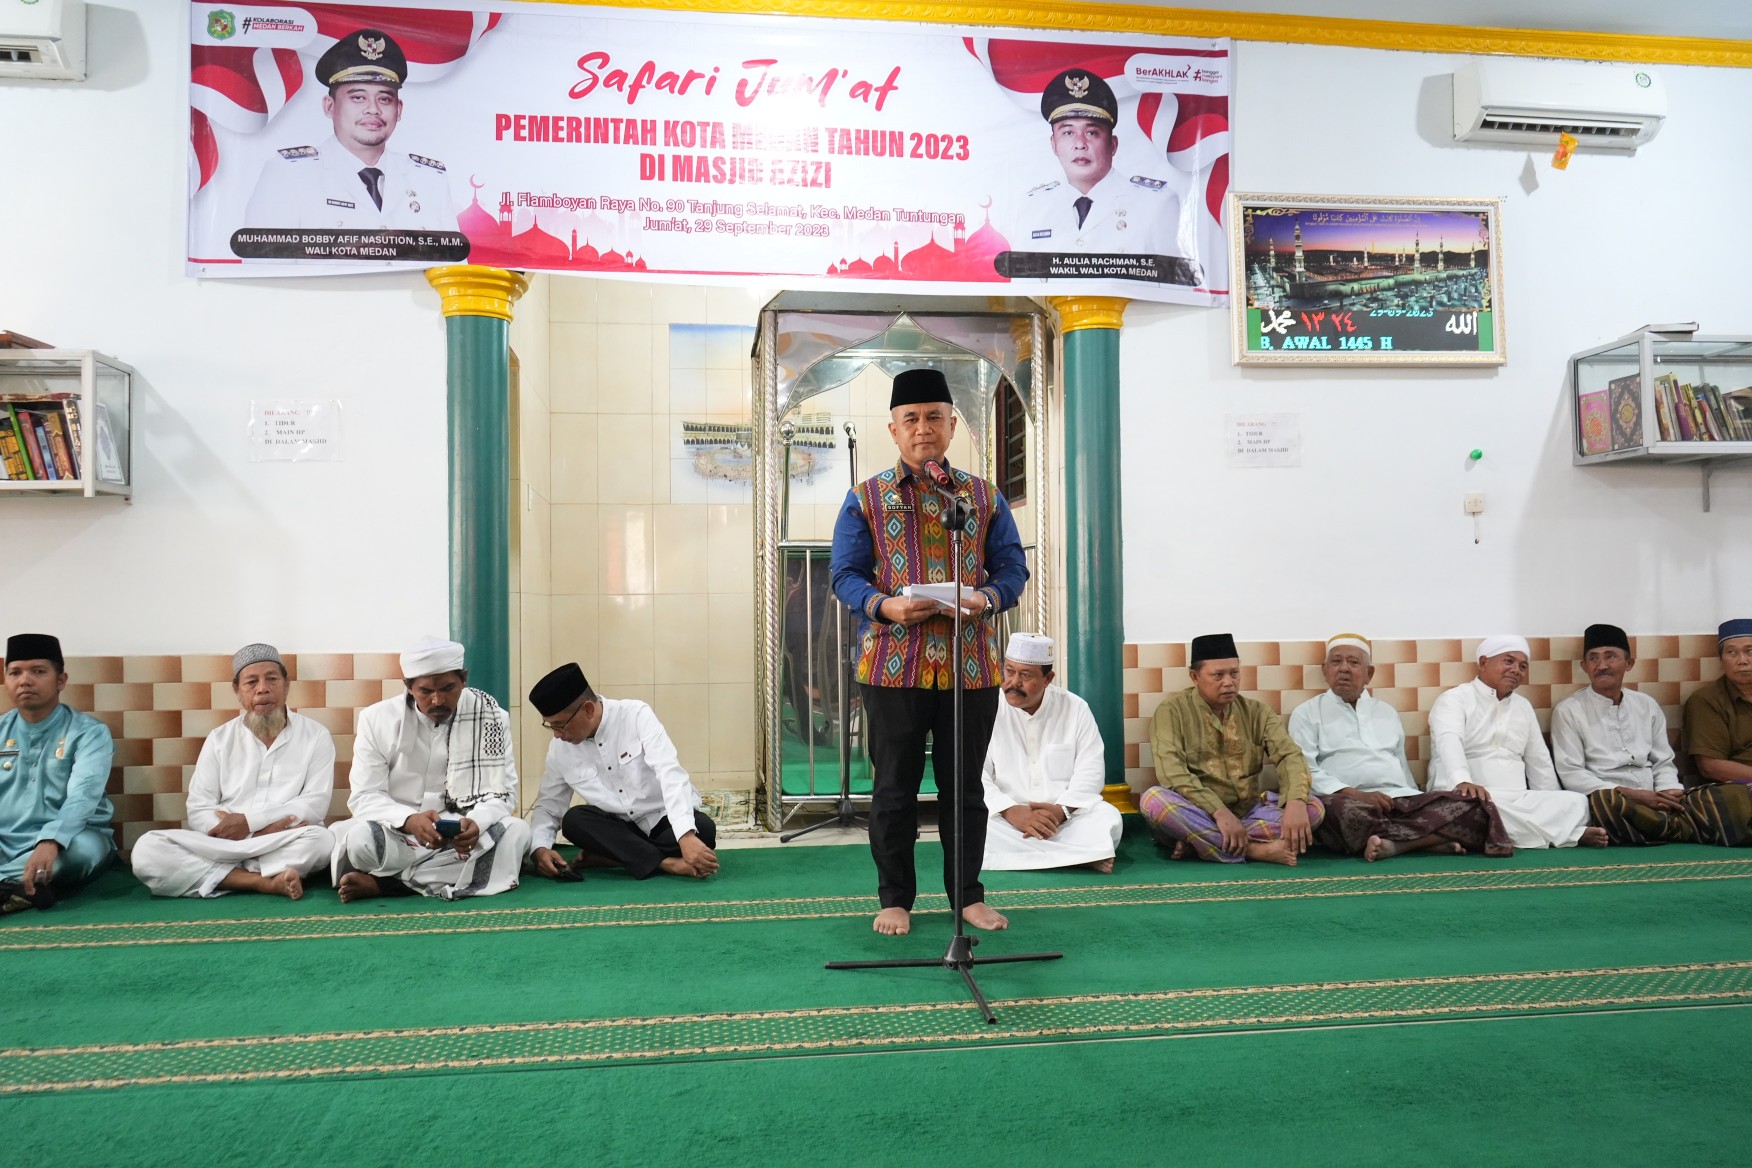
1044	771
1486	742
640	809
257	799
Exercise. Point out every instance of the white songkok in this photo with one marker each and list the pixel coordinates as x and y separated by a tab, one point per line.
430	655
1496	646
1355	640
1029	649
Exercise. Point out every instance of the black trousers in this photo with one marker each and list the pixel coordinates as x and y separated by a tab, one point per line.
620	840
897	721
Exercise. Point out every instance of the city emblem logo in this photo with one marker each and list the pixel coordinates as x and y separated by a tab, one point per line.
371	48
1077	86
221	25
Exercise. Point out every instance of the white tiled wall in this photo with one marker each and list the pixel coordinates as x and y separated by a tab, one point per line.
651	589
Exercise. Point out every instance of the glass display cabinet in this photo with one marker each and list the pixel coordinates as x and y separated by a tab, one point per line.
1664	394
66	423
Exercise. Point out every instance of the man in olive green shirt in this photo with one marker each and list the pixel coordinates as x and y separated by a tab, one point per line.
1718	736
1210	744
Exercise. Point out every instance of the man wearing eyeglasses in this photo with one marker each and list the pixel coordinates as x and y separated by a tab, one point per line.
640	810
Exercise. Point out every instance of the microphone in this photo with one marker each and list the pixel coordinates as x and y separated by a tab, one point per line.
851	431
935	472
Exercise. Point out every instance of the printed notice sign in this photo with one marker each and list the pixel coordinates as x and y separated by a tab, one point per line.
1264	439
284	430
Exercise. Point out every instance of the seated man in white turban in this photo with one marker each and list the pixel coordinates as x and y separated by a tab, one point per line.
1356	752
1044	771
256	801
434	789
1486	742
640	810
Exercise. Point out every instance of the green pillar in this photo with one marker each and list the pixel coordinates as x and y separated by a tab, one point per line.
1094	569
477	318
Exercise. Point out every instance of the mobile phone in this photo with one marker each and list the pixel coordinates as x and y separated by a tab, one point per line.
449	827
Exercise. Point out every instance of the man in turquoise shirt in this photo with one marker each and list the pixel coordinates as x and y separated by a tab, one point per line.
55	829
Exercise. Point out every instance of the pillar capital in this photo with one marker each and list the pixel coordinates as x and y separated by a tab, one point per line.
474	290
1088	312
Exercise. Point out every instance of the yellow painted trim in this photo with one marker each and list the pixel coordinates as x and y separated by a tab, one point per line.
1089	312
1121	797
1404	36
473	290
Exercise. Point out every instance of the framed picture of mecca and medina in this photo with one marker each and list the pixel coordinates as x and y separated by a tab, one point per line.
1333	280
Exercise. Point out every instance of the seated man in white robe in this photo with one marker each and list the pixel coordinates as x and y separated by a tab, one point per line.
256	801
1610	743
1486	744
434	789
1355	747
640	810
1044	771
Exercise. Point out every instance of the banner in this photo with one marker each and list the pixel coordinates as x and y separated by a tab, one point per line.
705	149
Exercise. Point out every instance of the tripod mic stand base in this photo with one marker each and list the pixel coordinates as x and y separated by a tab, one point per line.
845	815
958	958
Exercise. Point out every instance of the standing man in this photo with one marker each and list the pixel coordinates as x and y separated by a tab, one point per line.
1356	752
1718	736
641	811
257	799
1044	772
894	531
55	832
353	180
1610	744
1486	744
1092	209
434	789
1210	746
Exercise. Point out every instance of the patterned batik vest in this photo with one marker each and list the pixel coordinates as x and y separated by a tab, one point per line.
911	543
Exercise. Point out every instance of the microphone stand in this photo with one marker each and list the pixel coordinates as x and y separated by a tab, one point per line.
958	958
845	814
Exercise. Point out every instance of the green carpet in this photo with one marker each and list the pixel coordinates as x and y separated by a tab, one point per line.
144	1023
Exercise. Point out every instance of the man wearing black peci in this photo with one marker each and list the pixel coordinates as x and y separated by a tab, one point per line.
892	532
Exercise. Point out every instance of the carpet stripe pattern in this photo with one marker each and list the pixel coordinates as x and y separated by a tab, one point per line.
487	918
867	1028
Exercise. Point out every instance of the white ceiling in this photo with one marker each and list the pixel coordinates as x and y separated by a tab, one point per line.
1714	19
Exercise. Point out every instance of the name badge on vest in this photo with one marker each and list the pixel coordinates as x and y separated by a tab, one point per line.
1042	233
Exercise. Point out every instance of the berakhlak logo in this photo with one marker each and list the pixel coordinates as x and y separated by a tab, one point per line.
221	25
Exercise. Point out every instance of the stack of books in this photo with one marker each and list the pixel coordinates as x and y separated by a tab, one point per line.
1701	412
40	437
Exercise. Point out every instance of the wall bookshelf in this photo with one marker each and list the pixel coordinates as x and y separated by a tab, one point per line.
1664	394
66	424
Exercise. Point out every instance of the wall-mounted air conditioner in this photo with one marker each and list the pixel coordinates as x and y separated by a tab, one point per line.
44	39
1529	102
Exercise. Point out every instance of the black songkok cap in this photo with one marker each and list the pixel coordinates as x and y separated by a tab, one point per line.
914	387
35	647
1605	637
559	689
1078	93
1212	647
369	55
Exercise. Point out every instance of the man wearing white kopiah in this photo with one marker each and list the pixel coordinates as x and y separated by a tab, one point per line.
434	789
1044	772
1486	742
257	799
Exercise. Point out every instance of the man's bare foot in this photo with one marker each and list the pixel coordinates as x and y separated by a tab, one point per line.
1271	852
284	883
1378	849
1102	866
358	886
676	866
1451	848
1594	837
984	916
893	922
1182	851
